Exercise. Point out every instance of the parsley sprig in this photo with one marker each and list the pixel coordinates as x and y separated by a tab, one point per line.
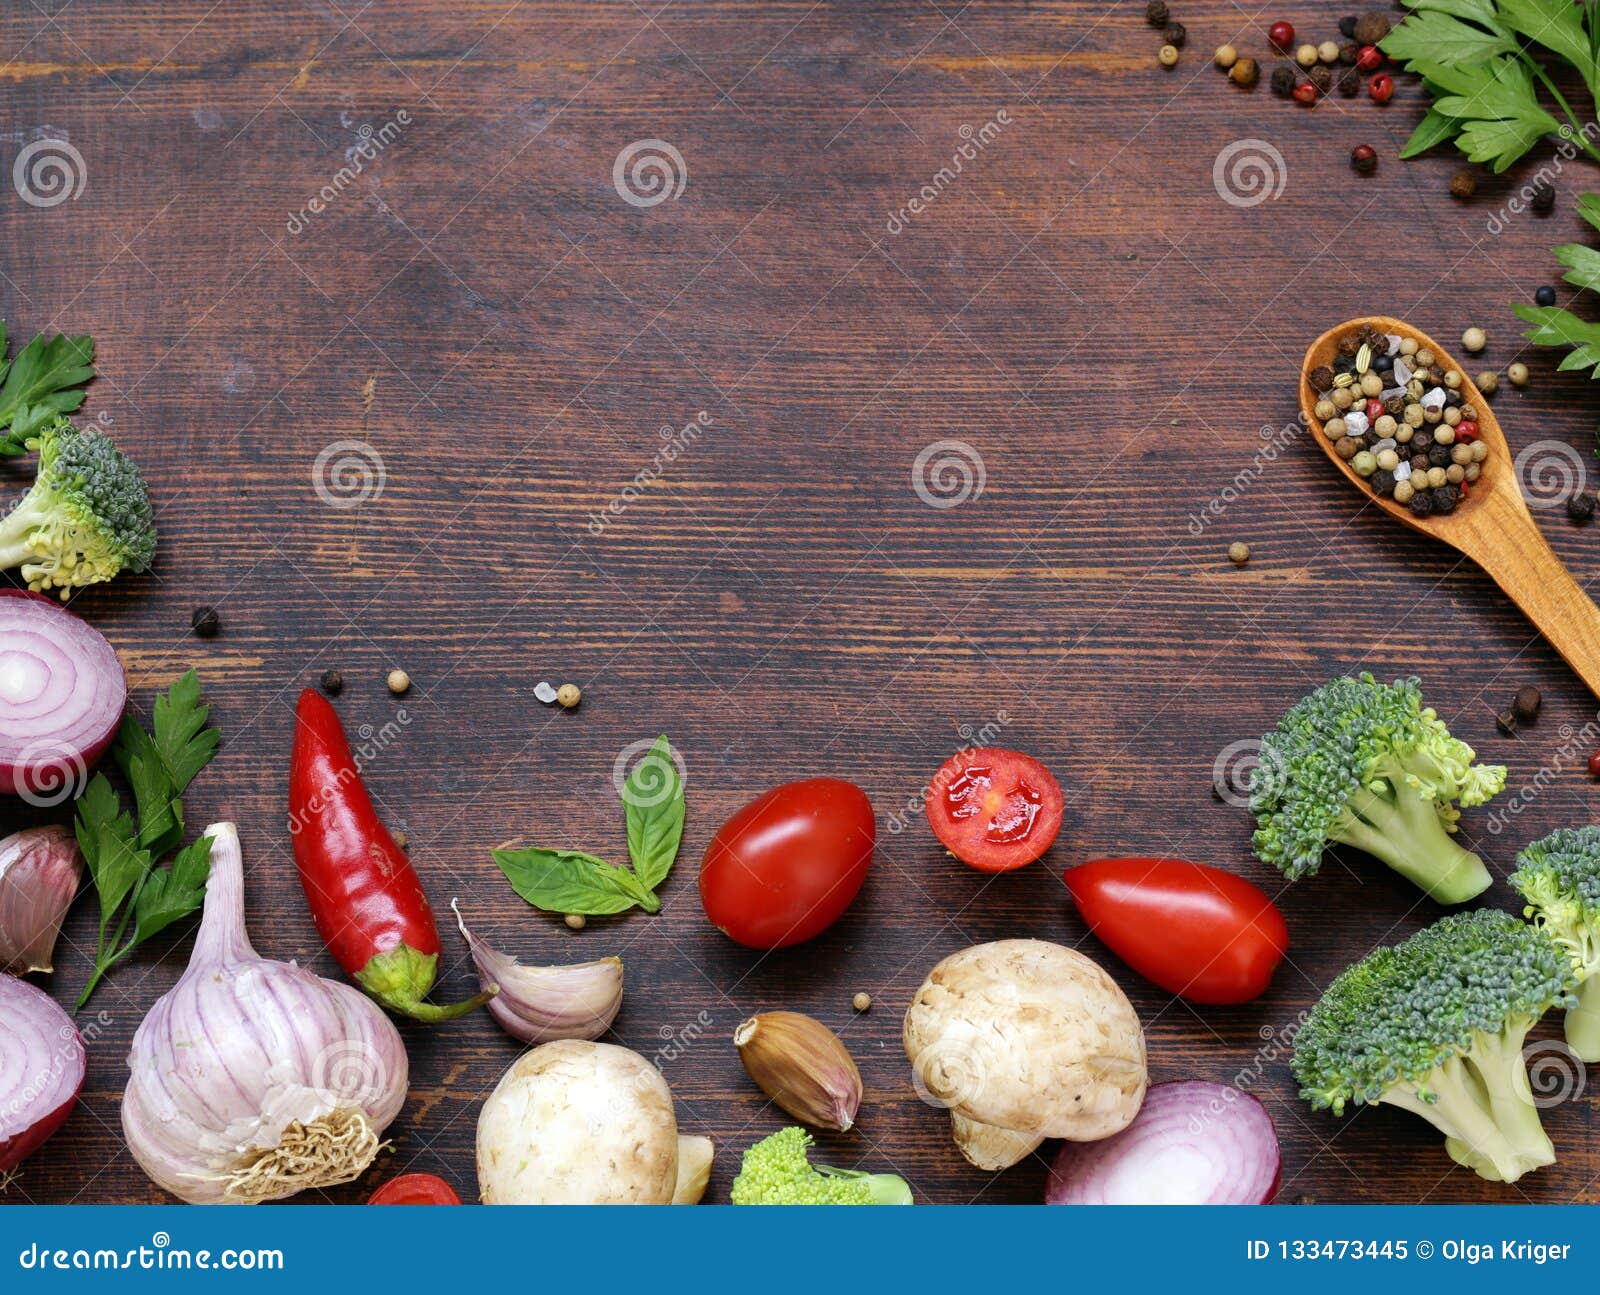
1484	63
1553	326
45	381
138	898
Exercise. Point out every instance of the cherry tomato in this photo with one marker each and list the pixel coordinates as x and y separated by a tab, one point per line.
993	809
1369	58
1196	931
1381	88
415	1189
1281	34
783	868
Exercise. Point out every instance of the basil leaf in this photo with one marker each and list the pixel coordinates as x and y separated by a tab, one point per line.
652	799
570	881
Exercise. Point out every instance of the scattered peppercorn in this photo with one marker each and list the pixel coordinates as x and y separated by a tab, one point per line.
1381	88
1244	72
1474	340
861	1002
1506	722
1305	93
1306	55
1225	57
1348	53
1238	553
1545	296
1328	51
1527	702
1349	83
399	682
400	838
1156	13
568	695
1347	25
1282	80
1281	35
1322	78
1580	508
1168	55
1463	184
1543	198
205	622
1594	765
1518	373
1175	34
1370	28
332	682
1364	158
1489	383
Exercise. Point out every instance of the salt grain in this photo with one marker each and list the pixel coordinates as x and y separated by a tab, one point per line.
544	692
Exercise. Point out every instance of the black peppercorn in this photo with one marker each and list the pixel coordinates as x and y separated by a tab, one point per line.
1156	13
1439	456
1527	702
1394	406
1175	34
1543	198
1347	26
1419	464
1445	498
1421	440
1384	364
1322	78
1348	53
1463	184
1420	503
1506	722
1282	80
1349	83
1545	296
1322	378
1581	508
1370	28
332	682
205	622
1382	483
1349	344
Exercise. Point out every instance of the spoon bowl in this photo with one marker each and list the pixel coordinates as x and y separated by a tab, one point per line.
1493	525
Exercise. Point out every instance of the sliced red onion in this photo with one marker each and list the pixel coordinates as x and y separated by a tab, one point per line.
62	691
1192	1143
41	1069
39	872
538	1004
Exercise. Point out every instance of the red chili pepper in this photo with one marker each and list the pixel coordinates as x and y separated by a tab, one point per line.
368	902
415	1189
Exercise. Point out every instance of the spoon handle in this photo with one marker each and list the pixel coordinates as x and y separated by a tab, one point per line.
1523	564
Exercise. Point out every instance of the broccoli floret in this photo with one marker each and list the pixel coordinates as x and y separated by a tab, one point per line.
1559	876
776	1172
86	518
1367	764
1436	1026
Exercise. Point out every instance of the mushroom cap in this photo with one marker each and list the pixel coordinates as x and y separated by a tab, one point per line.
578	1123
1028	1036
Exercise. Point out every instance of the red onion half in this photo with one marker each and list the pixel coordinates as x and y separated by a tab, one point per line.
1192	1143
62	691
41	1069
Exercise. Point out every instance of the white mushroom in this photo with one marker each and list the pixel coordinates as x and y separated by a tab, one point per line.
1024	1040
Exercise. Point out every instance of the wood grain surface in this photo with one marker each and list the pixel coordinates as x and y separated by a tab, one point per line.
481	307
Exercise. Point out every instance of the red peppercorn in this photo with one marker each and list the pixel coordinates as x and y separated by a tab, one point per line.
1281	34
1381	88
1305	93
1374	410
1364	159
1594	765
1466	489
1368	59
1467	430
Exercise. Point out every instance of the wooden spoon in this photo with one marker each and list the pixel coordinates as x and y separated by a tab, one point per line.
1492	526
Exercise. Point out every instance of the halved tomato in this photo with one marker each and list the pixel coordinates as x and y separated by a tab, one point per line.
994	809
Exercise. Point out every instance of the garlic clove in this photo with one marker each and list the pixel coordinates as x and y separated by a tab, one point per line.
803	1066
694	1169
540	1004
39	873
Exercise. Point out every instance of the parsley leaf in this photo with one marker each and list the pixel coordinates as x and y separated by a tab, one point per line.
1558	26
1493	103
171	894
1556	327
1439	38
44	381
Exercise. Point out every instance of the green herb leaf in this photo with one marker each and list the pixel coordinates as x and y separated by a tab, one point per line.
160	827
1495	104
1433	129
1583	265
181	735
1478	11
1558	26
46	379
1437	37
652	799
570	881
1589	208
110	846
1553	326
171	894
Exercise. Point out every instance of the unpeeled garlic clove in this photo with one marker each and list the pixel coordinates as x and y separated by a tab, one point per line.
803	1066
39	872
694	1169
540	1004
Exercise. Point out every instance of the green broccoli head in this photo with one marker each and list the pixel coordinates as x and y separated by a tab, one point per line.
1366	764
1559	876
776	1172
1435	1026
86	518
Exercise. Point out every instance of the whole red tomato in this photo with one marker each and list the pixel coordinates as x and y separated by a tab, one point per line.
415	1189
784	867
1194	930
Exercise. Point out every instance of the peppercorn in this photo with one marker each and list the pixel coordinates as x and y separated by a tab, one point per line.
1403	490
1225	57
1156	13
1594	765
1305	93
1175	34
576	921
1518	373
1445	498
399	681
1370	28
1349	83
861	1002
205	622
1488	383
1282	80
1328	51
1238	553
1381	88
1543	199
1306	55
1421	503
1281	36
1364	158
1527	702
1244	72
1349	344
568	695
1348	53
332	682
1545	296
1322	78
1580	508
1463	184
1382	482
1506	722
1368	59
1474	340
1438	455
1168	55
1347	25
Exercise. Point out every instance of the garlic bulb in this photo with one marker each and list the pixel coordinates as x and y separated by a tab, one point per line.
39	871
252	1079
538	1004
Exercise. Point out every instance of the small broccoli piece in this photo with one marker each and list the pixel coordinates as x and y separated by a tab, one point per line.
1559	876
1366	764
86	518
1436	1026
776	1172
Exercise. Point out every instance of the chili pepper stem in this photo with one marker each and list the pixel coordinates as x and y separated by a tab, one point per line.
400	978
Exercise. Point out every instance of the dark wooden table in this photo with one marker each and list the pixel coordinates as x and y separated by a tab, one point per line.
479	306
